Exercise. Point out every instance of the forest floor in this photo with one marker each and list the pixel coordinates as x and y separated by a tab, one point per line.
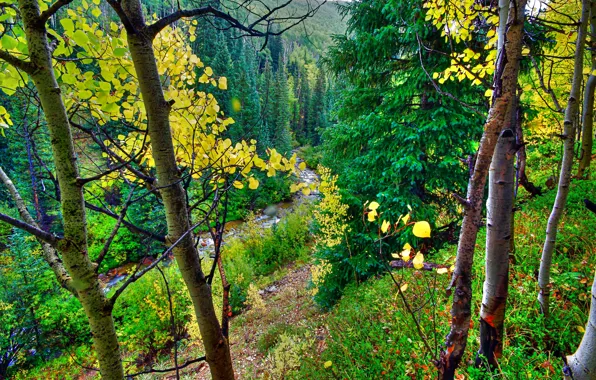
287	307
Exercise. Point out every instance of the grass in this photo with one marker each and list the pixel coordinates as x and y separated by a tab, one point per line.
371	335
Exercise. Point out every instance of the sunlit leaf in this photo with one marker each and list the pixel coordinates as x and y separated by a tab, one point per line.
385	226
418	261
421	229
371	215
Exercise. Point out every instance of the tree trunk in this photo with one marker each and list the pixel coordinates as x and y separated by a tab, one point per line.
570	123
498	239
74	245
582	364
588	106
174	198
499	115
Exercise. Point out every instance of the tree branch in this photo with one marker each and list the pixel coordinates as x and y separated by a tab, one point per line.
117	7
40	234
45	15
131	227
186	364
106	246
26	66
49	253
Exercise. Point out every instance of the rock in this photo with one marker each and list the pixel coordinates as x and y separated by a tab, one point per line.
271	211
271	289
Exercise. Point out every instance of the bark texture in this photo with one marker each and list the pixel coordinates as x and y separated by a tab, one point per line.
140	43
588	106
570	123
499	116
498	240
582	364
74	245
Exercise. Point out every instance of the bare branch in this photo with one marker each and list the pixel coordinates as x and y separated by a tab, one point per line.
165	254
40	234
131	227
106	246
265	20
83	181
186	364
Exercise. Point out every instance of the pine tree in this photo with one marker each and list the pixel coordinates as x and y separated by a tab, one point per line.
246	109
282	138
318	108
222	66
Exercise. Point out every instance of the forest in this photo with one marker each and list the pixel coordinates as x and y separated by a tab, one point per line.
297	189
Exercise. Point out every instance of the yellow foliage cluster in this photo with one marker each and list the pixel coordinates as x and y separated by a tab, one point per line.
98	79
254	299
318	273
287	356
331	215
458	23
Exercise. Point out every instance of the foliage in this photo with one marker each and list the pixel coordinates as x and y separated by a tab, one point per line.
260	251
39	319
393	124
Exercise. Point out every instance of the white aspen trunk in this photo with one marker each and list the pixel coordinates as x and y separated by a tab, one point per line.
588	106
217	349
582	364
498	240
570	123
499	116
74	245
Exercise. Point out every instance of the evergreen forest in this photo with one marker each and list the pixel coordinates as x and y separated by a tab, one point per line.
297	189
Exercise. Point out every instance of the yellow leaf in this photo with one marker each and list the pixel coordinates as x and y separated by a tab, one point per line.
488	93
395	255
306	191
328	364
385	226
421	229
406	218
581	329
238	184
405	255
373	206
223	83
404	287
371	215
407	246
302	166
452	268
253	183
208	71
418	261
442	270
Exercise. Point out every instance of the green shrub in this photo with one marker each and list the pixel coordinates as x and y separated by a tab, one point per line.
142	313
258	251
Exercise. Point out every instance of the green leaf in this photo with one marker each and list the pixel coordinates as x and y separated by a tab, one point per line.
68	25
119	52
8	42
80	38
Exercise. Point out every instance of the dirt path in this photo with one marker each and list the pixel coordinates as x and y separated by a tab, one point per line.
288	308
